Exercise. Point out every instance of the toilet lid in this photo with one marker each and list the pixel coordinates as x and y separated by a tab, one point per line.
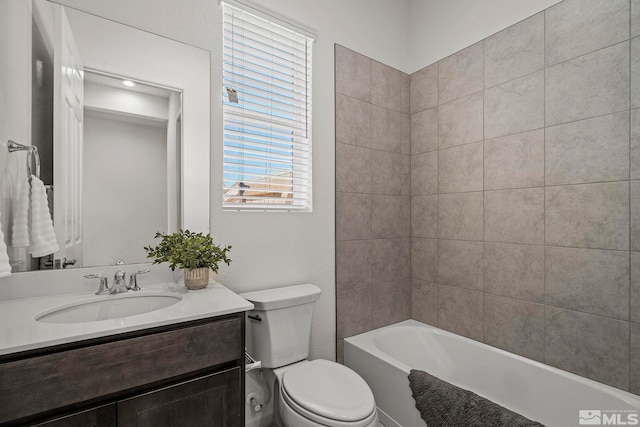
329	390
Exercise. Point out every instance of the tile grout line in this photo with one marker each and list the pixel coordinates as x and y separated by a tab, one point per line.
335	198
521	132
437	257
630	201
528	301
410	206
370	230
496	242
543	68
484	90
544	182
618	181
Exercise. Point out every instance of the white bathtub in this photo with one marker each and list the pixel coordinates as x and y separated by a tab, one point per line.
553	397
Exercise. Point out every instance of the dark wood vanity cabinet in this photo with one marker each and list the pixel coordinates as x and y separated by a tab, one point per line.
189	374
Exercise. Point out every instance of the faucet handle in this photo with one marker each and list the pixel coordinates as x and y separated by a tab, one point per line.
133	279
67	262
104	286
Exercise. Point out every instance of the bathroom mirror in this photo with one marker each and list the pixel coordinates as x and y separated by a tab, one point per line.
119	162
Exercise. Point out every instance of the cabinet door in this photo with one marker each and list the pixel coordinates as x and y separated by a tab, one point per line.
103	416
210	401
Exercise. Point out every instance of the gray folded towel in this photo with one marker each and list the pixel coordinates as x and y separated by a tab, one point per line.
444	405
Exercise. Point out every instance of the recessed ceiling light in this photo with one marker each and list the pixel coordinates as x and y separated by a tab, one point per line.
128	83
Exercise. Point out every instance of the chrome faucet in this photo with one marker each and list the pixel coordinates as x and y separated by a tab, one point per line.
104	286
119	284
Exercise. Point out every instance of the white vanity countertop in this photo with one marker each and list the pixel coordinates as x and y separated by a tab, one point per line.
19	331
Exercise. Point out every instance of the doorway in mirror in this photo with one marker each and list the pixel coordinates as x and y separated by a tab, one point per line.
131	160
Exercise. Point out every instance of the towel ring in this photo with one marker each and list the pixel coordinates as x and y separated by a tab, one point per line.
32	157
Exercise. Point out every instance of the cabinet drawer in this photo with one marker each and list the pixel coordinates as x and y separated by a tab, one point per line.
42	383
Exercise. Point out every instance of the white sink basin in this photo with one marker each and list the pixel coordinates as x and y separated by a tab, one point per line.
108	307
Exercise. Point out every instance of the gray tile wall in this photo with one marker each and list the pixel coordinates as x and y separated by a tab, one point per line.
494	193
373	192
525	209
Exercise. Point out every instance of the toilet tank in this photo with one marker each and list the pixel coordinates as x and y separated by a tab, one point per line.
281	323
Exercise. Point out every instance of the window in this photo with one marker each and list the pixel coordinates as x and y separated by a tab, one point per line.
267	113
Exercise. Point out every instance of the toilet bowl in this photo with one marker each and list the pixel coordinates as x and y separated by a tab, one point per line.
324	393
317	393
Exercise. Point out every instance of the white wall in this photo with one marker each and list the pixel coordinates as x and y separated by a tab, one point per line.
271	249
282	249
439	28
15	111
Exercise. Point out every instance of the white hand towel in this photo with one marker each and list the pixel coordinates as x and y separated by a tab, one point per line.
43	238
5	268
20	230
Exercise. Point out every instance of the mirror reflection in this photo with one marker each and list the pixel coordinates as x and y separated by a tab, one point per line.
120	120
130	129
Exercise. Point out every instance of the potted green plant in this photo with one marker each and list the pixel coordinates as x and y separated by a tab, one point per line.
194	253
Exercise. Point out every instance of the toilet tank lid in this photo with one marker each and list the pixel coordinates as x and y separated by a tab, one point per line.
287	296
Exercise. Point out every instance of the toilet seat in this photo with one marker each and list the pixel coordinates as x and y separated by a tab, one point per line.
328	393
296	416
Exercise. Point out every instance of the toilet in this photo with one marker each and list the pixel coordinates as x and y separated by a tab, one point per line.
306	393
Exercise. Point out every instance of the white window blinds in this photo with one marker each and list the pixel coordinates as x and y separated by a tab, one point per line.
267	114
